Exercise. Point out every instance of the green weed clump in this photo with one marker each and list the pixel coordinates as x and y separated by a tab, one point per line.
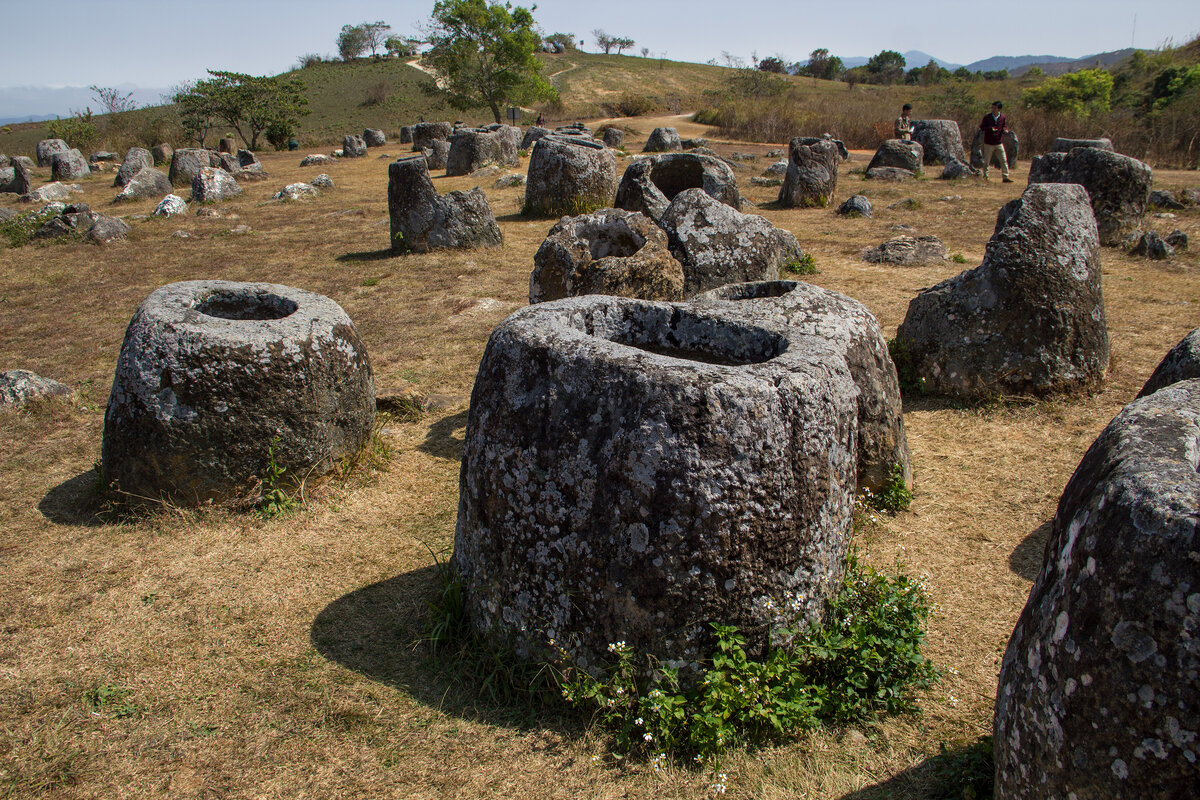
805	265
893	497
20	229
274	498
109	698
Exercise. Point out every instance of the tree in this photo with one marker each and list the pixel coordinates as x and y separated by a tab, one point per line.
400	47
559	42
484	54
351	42
772	64
248	104
374	34
621	42
822	65
603	40
1079	93
886	66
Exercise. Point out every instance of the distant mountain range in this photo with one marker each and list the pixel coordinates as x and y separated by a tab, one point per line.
1016	65
36	103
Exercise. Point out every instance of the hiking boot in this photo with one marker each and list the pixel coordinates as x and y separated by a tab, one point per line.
1008	179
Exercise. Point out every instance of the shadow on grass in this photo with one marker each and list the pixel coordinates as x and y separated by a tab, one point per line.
1026	559
369	255
75	501
446	437
965	771
517	216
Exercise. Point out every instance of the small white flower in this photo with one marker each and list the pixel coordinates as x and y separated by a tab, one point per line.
648	737
638	721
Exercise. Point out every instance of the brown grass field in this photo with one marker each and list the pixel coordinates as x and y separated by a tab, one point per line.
279	658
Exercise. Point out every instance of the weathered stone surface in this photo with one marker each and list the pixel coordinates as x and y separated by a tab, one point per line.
1181	363
694	143
406	134
212	185
68	165
136	158
1177	239
426	132
634	469
610	252
811	177
718	245
889	174
162	154
98	157
27	162
759	180
1030	319
573	129
5	161
1151	245
51	192
853	331
614	137
1164	198
421	220
107	229
1064	145
186	163
373	137
508	181
899	153
662	140
15	179
777	169
315	159
69	220
353	146
1118	186
1101	679
145	184
212	374
170	206
957	169
651	183
858	205
843	153
19	386
532	135
48	147
322	181
569	175
297	191
472	148
1044	167
908	251
940	140
436	153
1012	148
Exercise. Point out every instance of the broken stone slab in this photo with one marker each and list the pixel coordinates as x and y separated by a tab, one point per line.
19	386
650	183
51	192
107	229
569	175
1152	246
1065	145
907	251
315	159
889	174
422	220
899	153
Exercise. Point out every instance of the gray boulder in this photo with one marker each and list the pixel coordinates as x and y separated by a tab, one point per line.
436	154
15	179
472	148
170	206
509	181
940	140
614	137
1044	167
315	159
1098	687
212	185
1164	198
186	163
532	135
777	169
1151	245
147	183
106	229
217	381
406	134
1012	148
574	129
889	174
610	252
1119	187
1181	363
68	166
858	205
48	147
634	469
1177	239
908	251
853	331
422	220
353	146
718	245
19	386
373	137
162	154
843	153
649	184
957	169
662	140
899	153
694	143
424	133
1030	319
51	192
1063	145
27	162
322	181
811	177
297	191
136	158
569	175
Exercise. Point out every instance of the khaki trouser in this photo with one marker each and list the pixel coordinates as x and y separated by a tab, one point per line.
988	150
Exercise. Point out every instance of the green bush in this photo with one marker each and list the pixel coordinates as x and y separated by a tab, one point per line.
20	229
805	265
1079	93
78	131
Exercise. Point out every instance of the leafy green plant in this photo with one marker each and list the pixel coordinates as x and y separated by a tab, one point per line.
805	265
895	496
20	229
109	698
77	130
958	258
274	499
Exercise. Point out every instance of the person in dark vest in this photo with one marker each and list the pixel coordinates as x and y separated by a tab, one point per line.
993	127
541	121
903	126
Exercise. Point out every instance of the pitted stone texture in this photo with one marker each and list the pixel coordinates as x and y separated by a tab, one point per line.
651	183
531	136
1181	363
1153	246
940	139
856	205
322	181
614	137
374	137
777	169
136	158
48	147
146	184
634	469
718	245
1101	680
957	169
107	229
353	146
853	331
68	165
422	220
662	140
569	175
214	373
1012	148
315	159
1030	319
843	153
15	179
1119	187
186	163
811	177
212	185
610	252
899	153
1044	167
406	134
51	192
889	174
908	251
162	154
171	206
1064	145
297	191
19	386
472	148
425	132
436	154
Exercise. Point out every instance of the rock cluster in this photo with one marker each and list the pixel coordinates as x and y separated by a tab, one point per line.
651	183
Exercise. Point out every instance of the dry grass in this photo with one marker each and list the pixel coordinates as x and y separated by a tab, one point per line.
278	658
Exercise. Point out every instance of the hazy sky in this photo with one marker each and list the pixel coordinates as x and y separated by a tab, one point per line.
161	42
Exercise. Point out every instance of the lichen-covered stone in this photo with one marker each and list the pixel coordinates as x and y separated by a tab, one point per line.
899	153
1030	319
1181	363
107	229
406	134
662	140
614	137
718	245
315	159
940	140
811	177
531	136
634	470
48	147
1152	246
423	133
146	184
19	386
162	154
322	181
472	148
611	252
217	379
68	165
171	206
907	251
1100	683
186	163
373	137
213	184
649	184
422	220
51	192
436	154
1165	199
858	205
136	159
569	175
1064	145
1119	186
957	169
15	179
297	191
853	331
353	146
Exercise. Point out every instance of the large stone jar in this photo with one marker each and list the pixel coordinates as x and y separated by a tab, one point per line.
216	379
634	471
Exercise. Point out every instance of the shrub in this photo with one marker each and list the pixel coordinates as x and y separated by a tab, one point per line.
20	229
1078	93
78	130
631	105
805	265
